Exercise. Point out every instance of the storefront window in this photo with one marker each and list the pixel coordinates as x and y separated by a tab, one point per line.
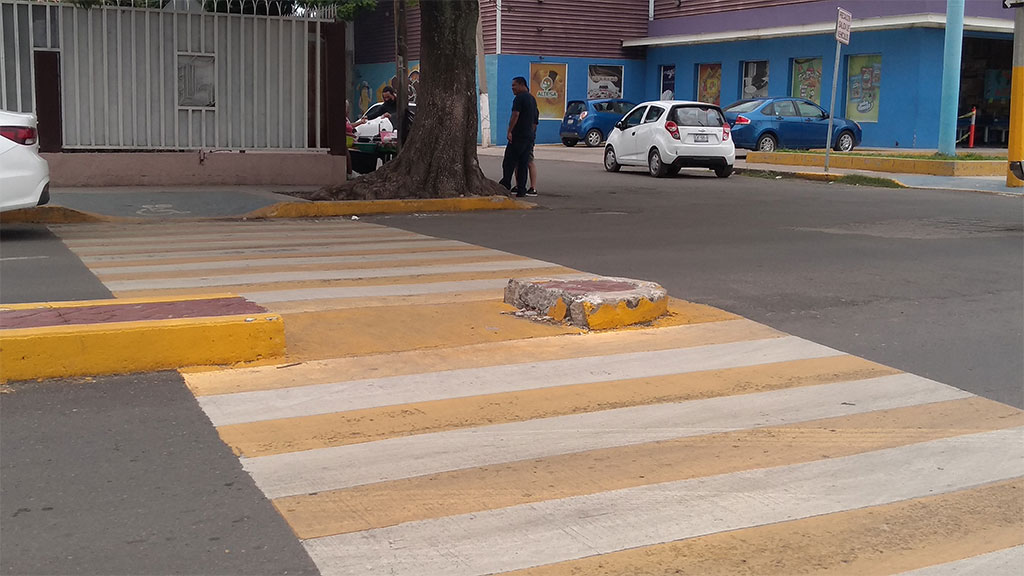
668	82
755	79
863	87
709	83
807	79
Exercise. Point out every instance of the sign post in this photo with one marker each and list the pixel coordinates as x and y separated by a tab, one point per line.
843	22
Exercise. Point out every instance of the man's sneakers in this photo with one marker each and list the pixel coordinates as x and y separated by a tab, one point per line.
515	191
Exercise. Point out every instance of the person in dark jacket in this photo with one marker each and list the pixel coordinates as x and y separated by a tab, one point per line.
521	136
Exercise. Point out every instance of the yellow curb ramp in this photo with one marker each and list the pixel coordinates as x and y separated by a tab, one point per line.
122	347
320	209
881	163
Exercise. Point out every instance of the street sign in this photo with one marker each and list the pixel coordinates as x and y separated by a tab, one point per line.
1013	3
844	21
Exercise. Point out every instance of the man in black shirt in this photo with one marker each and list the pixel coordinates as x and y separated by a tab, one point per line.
521	135
389	107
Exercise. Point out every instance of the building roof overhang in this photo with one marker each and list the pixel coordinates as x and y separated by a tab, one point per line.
971	24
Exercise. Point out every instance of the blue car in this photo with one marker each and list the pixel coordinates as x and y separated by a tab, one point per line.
769	124
592	120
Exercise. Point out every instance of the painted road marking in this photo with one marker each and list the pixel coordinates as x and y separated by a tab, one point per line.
353	465
578	527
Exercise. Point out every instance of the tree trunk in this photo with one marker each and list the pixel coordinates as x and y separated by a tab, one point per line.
438	160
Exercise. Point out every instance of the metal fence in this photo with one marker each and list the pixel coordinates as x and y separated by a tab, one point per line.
172	74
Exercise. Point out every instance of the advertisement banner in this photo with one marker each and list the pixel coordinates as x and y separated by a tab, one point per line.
604	82
864	83
709	83
547	84
668	82
807	79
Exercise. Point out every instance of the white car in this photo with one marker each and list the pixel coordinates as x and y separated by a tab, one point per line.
24	175
666	135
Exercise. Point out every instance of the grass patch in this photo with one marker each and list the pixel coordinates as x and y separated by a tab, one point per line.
765	174
859	180
963	156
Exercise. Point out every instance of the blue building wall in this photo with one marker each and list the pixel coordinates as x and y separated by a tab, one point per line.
910	85
510	66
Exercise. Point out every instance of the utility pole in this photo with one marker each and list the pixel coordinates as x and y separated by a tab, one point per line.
402	64
950	102
481	79
1015	153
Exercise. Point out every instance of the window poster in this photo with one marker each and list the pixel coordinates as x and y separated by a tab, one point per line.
547	84
709	83
864	83
755	79
807	79
668	82
604	82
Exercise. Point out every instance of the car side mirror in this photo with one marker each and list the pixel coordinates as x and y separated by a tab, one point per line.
621	124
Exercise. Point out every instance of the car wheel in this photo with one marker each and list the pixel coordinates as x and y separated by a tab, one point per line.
593	138
767	143
611	164
654	164
845	142
672	170
723	171
569	142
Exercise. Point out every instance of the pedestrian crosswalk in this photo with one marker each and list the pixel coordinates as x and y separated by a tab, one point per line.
417	427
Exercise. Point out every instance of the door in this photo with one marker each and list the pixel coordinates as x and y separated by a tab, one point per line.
790	125
627	150
48	101
815	126
646	136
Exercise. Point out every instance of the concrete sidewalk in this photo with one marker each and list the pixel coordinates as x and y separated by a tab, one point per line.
988	184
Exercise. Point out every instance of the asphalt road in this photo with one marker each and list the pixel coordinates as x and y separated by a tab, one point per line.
35	266
926	281
125	475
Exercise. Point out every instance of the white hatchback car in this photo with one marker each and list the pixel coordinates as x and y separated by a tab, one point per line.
666	135
24	175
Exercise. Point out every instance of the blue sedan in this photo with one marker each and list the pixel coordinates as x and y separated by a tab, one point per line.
768	124
592	120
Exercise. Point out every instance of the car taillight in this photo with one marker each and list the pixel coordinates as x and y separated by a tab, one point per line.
583	115
19	134
672	129
726	131
742	120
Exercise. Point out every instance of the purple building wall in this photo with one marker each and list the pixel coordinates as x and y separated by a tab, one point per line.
814	12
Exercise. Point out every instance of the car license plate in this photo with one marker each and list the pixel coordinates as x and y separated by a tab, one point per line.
700	137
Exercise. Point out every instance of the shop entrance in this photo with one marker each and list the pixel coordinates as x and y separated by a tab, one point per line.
985	82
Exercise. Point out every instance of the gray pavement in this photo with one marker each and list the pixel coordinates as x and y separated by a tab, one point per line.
161	203
164	202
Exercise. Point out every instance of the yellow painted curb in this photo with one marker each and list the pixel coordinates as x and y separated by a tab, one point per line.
884	164
607	317
138	346
362	207
50	215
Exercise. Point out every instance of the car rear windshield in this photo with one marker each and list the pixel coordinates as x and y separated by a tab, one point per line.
697	116
575	108
744	106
